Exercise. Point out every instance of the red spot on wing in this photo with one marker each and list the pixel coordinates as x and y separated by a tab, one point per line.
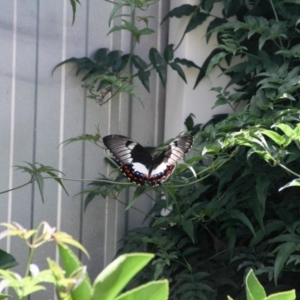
133	175
157	179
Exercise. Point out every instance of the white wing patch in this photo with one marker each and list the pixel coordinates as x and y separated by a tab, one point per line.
159	169
138	167
131	146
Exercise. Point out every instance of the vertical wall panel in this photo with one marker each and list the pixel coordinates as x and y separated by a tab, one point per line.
23	80
94	219
35	37
7	32
182	98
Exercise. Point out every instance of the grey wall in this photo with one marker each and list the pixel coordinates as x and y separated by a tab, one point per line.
39	111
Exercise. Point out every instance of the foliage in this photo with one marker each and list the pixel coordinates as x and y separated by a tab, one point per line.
255	290
233	205
36	170
104	73
73	4
241	211
73	281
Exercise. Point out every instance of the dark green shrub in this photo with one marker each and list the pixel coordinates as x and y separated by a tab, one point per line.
242	209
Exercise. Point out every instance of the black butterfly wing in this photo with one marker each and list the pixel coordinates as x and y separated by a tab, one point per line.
164	164
134	159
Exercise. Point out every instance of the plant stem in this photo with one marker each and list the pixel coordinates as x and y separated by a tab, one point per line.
276	17
176	203
31	253
194	12
18	187
288	170
140	211
32	250
274	10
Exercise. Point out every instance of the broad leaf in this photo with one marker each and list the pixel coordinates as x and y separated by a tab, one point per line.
180	11
254	289
114	278
151	291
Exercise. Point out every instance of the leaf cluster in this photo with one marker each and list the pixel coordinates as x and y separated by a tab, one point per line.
233	205
255	291
104	76
239	207
72	281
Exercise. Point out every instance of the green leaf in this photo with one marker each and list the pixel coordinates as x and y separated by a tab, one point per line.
100	55
162	74
7	261
111	58
213	25
118	28
272	226
40	182
180	11
151	291
30	288
144	78
231	237
139	63
281	258
257	25
277	138
36	174
73	4
215	60
146	31
72	263
114	278
287	130
254	289
231	7
155	57
289	295
261	187
83	138
116	7
63	239
295	182
277	30
118	66
135	31
289	237
207	5
196	20
169	53
137	193
179	70
189	122
204	69
186	62
188	227
5	296
91	195
260	100
83	63
58	180
243	218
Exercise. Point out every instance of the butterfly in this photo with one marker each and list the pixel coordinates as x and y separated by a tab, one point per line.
139	166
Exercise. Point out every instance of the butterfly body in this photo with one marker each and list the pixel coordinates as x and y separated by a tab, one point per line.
139	166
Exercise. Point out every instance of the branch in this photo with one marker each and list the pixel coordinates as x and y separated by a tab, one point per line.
20	186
